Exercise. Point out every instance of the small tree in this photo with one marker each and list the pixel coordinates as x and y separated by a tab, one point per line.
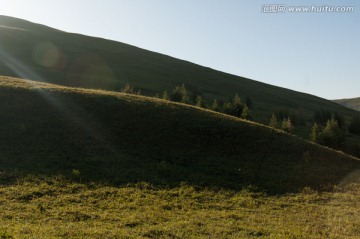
166	95
246	113
237	106
286	125
129	89
234	107
228	108
249	102
215	106
180	94
332	135
194	93
315	133
273	121
200	102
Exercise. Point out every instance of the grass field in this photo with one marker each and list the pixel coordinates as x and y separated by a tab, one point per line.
78	163
57	208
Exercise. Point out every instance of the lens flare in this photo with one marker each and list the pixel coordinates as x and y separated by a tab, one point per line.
48	55
91	71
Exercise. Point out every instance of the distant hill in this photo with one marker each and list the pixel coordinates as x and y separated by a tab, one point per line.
353	103
44	54
117	139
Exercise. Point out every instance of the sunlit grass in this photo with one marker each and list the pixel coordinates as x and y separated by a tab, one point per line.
56	208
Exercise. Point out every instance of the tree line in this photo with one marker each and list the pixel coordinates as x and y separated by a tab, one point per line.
328	128
234	106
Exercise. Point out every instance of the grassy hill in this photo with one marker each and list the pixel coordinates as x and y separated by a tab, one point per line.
353	103
44	54
52	129
88	163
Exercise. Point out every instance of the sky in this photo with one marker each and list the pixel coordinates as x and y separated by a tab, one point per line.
312	52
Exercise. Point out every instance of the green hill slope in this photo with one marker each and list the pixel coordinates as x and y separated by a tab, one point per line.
43	54
119	139
353	103
80	163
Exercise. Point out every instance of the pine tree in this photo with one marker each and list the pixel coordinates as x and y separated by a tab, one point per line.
215	106
233	107
166	95
228	108
315	133
286	125
180	94
200	102
129	89
273	121
237	106
246	113
332	135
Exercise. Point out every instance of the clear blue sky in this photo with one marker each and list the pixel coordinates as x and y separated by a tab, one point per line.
317	53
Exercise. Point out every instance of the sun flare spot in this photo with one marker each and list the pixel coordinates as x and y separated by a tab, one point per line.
49	55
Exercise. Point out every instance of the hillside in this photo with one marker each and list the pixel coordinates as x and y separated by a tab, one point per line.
44	54
353	103
82	163
52	129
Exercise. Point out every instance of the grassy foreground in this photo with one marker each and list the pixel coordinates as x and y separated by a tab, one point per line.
78	163
56	208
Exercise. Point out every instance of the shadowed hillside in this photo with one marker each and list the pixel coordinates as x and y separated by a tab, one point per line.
44	54
117	139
